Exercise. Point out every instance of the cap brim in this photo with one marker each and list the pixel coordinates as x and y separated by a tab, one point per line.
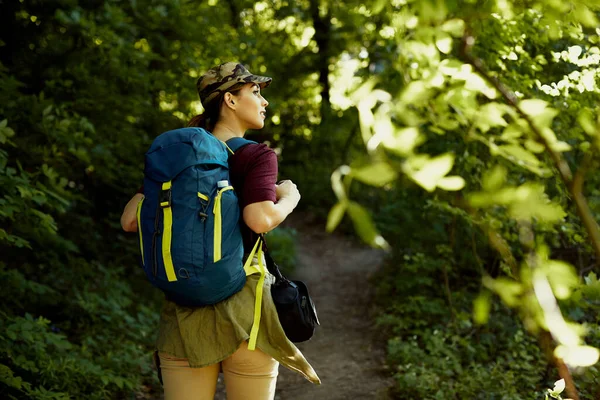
262	81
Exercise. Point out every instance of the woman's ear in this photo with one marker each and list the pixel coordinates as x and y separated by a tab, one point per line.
229	100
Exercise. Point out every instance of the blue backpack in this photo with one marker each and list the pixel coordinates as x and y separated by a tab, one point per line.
188	222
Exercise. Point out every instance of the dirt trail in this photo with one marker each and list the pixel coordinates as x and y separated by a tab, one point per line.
343	351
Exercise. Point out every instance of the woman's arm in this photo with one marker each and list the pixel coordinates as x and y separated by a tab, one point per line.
265	216
129	216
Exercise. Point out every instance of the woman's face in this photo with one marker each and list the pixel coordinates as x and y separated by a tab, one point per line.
251	106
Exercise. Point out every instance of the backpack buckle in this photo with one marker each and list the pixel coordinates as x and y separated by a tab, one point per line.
165	198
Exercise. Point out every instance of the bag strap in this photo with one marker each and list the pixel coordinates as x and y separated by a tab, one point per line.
272	267
237	143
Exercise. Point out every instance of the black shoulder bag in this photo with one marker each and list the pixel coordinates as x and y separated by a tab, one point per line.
296	310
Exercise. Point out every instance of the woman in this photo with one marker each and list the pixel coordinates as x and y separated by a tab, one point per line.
195	344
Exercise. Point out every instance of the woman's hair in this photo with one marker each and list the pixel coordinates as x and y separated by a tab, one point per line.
208	119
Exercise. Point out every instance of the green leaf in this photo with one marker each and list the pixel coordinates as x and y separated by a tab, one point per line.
335	215
364	226
8	378
379	6
378	174
3	123
533	107
494	179
451	183
455	27
534	146
430	174
416	93
518	154
586	16
562	277
404	141
491	115
508	290
481	308
444	43
560	146
585	119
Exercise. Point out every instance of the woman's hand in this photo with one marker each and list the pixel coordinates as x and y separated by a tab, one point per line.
287	188
129	216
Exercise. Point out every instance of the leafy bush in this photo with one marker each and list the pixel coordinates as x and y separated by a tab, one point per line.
282	245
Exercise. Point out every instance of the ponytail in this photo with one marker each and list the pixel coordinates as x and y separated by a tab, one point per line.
200	121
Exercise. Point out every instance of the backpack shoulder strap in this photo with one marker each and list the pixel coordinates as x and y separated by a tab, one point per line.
237	143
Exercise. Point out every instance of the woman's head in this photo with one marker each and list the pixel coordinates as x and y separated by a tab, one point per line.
229	91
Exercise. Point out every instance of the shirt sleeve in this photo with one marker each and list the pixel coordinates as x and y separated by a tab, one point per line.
261	175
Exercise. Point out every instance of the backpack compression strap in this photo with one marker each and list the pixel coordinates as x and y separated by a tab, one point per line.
251	269
165	204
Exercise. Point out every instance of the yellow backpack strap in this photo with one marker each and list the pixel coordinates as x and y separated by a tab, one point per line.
165	204
259	292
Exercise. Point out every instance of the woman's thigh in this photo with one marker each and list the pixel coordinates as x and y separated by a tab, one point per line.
250	375
181	382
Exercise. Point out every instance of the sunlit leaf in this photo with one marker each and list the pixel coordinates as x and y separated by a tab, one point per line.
560	146
508	290
436	168
364	226
451	183
336	181
491	115
335	215
544	118
518	154
586	16
444	43
454	27
586	121
512	131
377	174
481	308
415	93
533	107
404	141
561	276
534	208
534	146
578	356
379	6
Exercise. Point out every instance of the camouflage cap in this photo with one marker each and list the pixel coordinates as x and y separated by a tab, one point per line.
220	78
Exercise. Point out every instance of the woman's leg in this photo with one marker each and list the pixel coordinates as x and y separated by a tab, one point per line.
250	375
180	382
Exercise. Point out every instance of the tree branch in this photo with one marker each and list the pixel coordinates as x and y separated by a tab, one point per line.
573	185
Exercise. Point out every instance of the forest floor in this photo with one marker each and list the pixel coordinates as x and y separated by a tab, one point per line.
345	352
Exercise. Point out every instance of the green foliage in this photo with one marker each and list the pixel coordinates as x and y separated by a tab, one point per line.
282	246
475	100
438	166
